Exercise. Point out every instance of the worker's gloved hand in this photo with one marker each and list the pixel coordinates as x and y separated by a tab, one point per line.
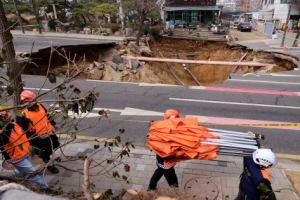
250	133
266	190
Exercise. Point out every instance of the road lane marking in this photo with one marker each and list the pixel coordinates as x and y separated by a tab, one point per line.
102	81
287	156
234	103
158	84
257	81
223	121
30	88
246	90
271	74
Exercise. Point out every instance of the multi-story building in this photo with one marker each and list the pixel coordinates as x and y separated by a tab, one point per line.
191	11
280	10
243	6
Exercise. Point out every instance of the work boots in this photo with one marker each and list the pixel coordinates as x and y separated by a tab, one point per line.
52	169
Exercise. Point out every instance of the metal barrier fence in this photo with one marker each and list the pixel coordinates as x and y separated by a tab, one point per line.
268	29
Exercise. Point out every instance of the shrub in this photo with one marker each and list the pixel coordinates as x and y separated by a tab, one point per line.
115	27
31	27
154	30
145	29
52	23
11	22
78	23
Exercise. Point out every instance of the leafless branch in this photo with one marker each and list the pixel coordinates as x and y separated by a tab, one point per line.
86	184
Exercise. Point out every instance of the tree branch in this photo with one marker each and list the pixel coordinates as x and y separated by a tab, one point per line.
86	184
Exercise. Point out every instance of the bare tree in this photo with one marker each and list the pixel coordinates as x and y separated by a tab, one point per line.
8	56
143	7
69	106
34	4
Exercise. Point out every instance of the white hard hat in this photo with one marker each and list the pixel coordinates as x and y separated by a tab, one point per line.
264	157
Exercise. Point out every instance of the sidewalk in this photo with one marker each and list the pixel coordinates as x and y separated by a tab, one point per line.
67	35
223	173
274	46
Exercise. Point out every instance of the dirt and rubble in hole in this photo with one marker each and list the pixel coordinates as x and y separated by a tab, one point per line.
158	72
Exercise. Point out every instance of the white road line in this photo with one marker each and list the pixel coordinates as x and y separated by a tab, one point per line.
158	84
270	74
257	81
37	89
100	81
234	103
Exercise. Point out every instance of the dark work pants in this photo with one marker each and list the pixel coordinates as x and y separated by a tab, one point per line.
241	195
169	174
46	145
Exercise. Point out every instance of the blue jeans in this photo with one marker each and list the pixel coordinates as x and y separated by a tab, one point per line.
25	168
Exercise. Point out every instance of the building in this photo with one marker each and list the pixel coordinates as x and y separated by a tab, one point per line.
280	11
191	11
243	5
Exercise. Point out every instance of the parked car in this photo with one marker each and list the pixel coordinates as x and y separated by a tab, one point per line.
244	26
234	24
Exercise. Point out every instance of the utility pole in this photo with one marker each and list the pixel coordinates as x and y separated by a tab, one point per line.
19	17
286	24
121	14
54	11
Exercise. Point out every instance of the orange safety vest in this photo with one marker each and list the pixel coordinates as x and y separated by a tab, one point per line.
17	138
265	174
38	121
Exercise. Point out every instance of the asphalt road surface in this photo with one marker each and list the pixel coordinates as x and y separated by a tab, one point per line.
244	36
244	99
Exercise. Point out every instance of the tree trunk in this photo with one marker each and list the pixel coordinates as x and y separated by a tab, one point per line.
83	19
36	16
140	29
12	64
295	44
89	18
86	184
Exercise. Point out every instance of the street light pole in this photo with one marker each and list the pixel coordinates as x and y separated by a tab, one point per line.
286	24
19	17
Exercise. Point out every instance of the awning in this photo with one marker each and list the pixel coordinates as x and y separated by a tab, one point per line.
194	8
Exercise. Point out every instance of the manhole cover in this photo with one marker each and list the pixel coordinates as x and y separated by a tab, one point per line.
202	187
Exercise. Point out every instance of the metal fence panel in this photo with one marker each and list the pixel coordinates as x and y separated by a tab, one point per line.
269	28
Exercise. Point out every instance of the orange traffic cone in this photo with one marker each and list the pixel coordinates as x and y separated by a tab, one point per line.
284	48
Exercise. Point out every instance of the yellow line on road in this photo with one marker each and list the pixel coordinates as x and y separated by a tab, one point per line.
288	156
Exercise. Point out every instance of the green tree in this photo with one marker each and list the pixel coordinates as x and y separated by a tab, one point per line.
80	12
143	7
105	8
10	8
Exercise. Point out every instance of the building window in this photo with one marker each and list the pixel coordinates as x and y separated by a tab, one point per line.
283	1
266	2
272	1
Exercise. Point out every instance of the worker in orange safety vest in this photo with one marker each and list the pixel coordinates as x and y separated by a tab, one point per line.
39	129
15	149
165	167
